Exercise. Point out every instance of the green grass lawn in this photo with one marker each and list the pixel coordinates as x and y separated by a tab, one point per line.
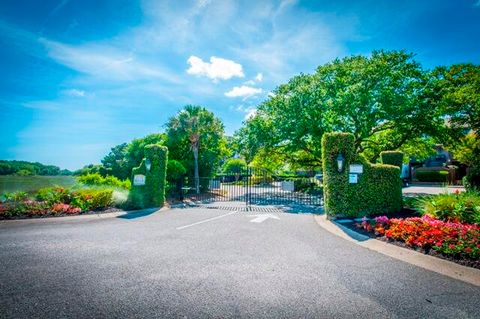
12	183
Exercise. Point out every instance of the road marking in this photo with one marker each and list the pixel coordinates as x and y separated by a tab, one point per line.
205	220
263	217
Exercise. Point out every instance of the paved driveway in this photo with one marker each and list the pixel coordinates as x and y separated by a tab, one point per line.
431	190
211	263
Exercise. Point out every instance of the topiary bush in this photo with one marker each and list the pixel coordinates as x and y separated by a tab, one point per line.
432	176
152	194
394	158
379	188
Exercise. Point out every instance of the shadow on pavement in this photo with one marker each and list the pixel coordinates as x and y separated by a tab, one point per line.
138	213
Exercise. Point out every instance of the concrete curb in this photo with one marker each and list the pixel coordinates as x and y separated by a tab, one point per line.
441	266
84	217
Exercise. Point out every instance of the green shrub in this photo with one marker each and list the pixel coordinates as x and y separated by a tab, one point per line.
92	199
472	180
410	202
432	176
378	191
394	158
95	179
120	198
463	207
13	197
18	208
54	195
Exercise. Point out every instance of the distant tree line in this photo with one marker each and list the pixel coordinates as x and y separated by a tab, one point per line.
25	168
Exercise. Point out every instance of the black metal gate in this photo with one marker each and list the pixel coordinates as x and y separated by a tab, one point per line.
258	187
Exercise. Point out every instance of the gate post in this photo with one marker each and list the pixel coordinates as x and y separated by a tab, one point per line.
149	179
354	187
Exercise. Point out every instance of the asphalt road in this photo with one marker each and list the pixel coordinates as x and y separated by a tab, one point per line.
195	263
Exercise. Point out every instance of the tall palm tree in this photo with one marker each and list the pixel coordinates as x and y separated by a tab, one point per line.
196	130
188	121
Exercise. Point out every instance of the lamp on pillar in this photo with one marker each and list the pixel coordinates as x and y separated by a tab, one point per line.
148	164
340	163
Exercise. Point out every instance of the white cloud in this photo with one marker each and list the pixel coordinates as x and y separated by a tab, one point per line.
259	77
249	82
243	91
218	68
75	92
104	61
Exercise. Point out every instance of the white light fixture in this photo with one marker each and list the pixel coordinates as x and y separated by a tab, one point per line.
340	163
148	164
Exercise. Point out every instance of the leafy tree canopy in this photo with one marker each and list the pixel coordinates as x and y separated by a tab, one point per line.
385	100
123	157
195	125
234	166
459	89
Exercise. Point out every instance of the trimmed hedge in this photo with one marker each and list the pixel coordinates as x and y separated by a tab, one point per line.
394	158
152	194
432	176
379	188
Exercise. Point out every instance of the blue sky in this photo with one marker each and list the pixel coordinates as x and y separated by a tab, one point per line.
80	76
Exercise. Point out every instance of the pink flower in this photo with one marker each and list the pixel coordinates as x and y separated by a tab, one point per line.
382	219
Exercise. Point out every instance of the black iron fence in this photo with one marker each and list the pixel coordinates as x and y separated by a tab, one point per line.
257	187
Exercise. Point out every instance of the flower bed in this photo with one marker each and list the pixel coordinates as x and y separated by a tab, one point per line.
451	240
54	202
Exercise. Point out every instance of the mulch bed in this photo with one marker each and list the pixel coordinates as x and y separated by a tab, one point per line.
474	263
52	215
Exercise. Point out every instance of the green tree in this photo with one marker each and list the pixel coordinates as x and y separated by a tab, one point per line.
458	87
135	150
234	166
467	149
175	171
196	131
115	162
384	100
123	157
91	169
